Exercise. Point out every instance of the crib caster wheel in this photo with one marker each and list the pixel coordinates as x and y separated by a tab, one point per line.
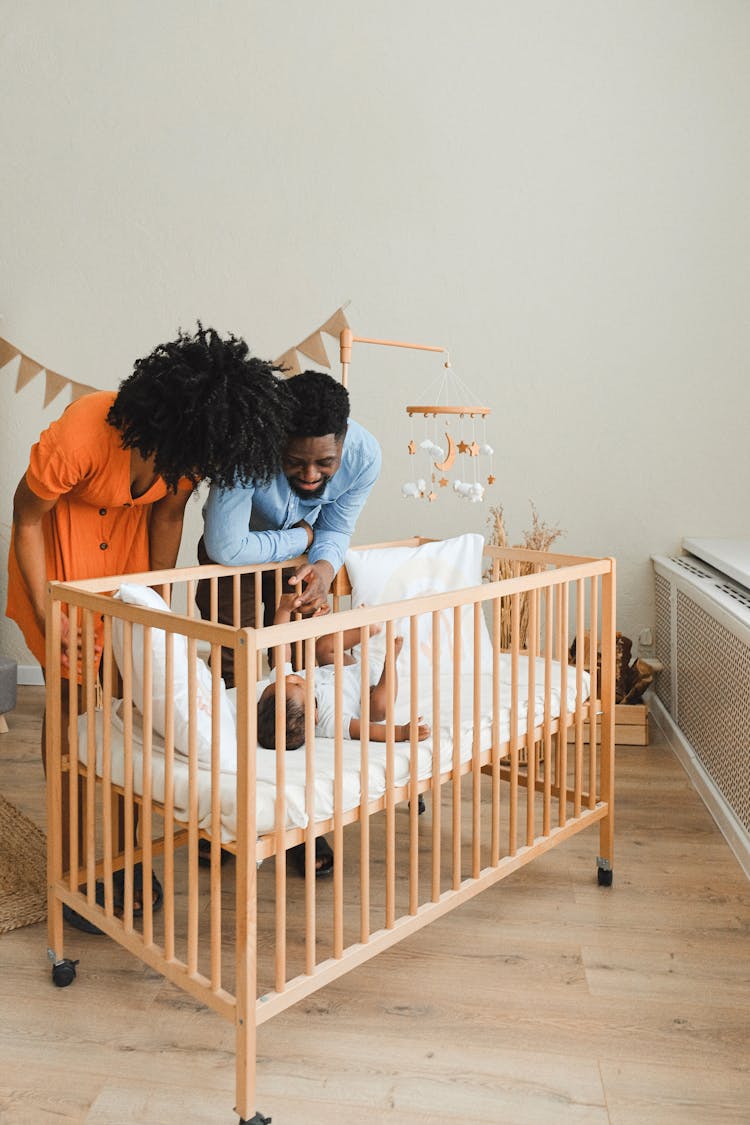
256	1119
64	972
603	872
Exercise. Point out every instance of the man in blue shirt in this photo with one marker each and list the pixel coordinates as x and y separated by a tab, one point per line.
329	467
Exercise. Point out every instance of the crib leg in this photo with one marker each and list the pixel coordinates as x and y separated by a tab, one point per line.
603	872
63	969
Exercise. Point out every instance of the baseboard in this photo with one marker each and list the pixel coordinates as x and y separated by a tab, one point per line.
733	831
30	674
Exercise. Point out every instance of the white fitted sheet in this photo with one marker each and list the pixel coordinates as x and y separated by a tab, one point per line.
296	813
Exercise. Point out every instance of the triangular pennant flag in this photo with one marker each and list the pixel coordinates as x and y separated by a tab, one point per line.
7	352
336	323
315	349
79	390
289	362
27	371
54	383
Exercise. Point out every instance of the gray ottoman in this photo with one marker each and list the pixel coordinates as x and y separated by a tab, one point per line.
8	681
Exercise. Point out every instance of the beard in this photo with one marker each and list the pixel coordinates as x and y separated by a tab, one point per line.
307	493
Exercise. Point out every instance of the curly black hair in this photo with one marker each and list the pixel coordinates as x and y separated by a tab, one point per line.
205	409
320	407
295	722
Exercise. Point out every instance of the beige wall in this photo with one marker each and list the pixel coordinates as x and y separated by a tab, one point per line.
557	192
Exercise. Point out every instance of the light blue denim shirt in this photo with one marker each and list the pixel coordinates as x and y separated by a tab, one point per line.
253	524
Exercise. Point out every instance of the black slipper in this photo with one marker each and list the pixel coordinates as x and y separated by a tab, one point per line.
73	918
118	890
323	857
204	854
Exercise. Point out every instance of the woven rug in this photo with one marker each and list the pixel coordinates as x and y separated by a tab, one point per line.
23	869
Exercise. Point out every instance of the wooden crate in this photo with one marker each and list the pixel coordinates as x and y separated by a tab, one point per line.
631	725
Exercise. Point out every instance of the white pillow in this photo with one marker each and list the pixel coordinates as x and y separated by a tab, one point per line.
393	574
145	596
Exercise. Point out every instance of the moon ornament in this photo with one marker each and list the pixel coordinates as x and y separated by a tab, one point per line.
445	465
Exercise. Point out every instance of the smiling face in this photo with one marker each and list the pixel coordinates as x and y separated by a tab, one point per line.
310	462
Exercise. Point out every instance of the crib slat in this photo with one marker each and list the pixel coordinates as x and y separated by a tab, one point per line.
413	766
169	828
390	806
437	794
338	798
496	752
364	786
580	640
280	821
515	628
476	772
129	803
89	792
456	757
562	732
193	900
215	874
547	725
310	883
532	602
110	801
146	824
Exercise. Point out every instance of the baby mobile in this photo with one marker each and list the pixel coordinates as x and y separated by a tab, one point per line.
452	438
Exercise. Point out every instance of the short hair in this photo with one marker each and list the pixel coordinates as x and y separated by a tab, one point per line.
205	409
295	722
320	405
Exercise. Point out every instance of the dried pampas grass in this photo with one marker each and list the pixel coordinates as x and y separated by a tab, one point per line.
539	537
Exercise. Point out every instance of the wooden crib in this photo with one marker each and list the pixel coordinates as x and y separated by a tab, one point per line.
132	779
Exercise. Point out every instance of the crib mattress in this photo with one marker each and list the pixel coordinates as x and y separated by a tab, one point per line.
297	814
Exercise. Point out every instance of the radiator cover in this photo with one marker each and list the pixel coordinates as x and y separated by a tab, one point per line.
703	642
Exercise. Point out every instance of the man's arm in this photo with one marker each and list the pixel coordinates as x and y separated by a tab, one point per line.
333	531
165	529
229	540
336	522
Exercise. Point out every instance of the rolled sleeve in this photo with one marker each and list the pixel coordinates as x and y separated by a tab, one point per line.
227	534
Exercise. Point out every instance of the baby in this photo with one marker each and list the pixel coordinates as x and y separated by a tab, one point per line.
325	692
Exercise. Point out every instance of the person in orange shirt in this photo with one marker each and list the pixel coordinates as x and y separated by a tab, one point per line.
107	483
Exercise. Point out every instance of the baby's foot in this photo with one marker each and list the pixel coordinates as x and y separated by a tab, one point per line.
398	644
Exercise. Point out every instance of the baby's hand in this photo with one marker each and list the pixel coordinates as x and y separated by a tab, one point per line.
286	602
423	730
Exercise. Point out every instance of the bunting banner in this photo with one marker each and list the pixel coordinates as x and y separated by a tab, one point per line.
28	369
313	346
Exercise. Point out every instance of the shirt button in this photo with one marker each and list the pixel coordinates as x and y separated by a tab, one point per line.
103	546
102	511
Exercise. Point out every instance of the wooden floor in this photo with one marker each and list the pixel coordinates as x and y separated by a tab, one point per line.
544	1000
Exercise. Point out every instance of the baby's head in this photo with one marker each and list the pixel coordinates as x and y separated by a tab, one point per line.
295	714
